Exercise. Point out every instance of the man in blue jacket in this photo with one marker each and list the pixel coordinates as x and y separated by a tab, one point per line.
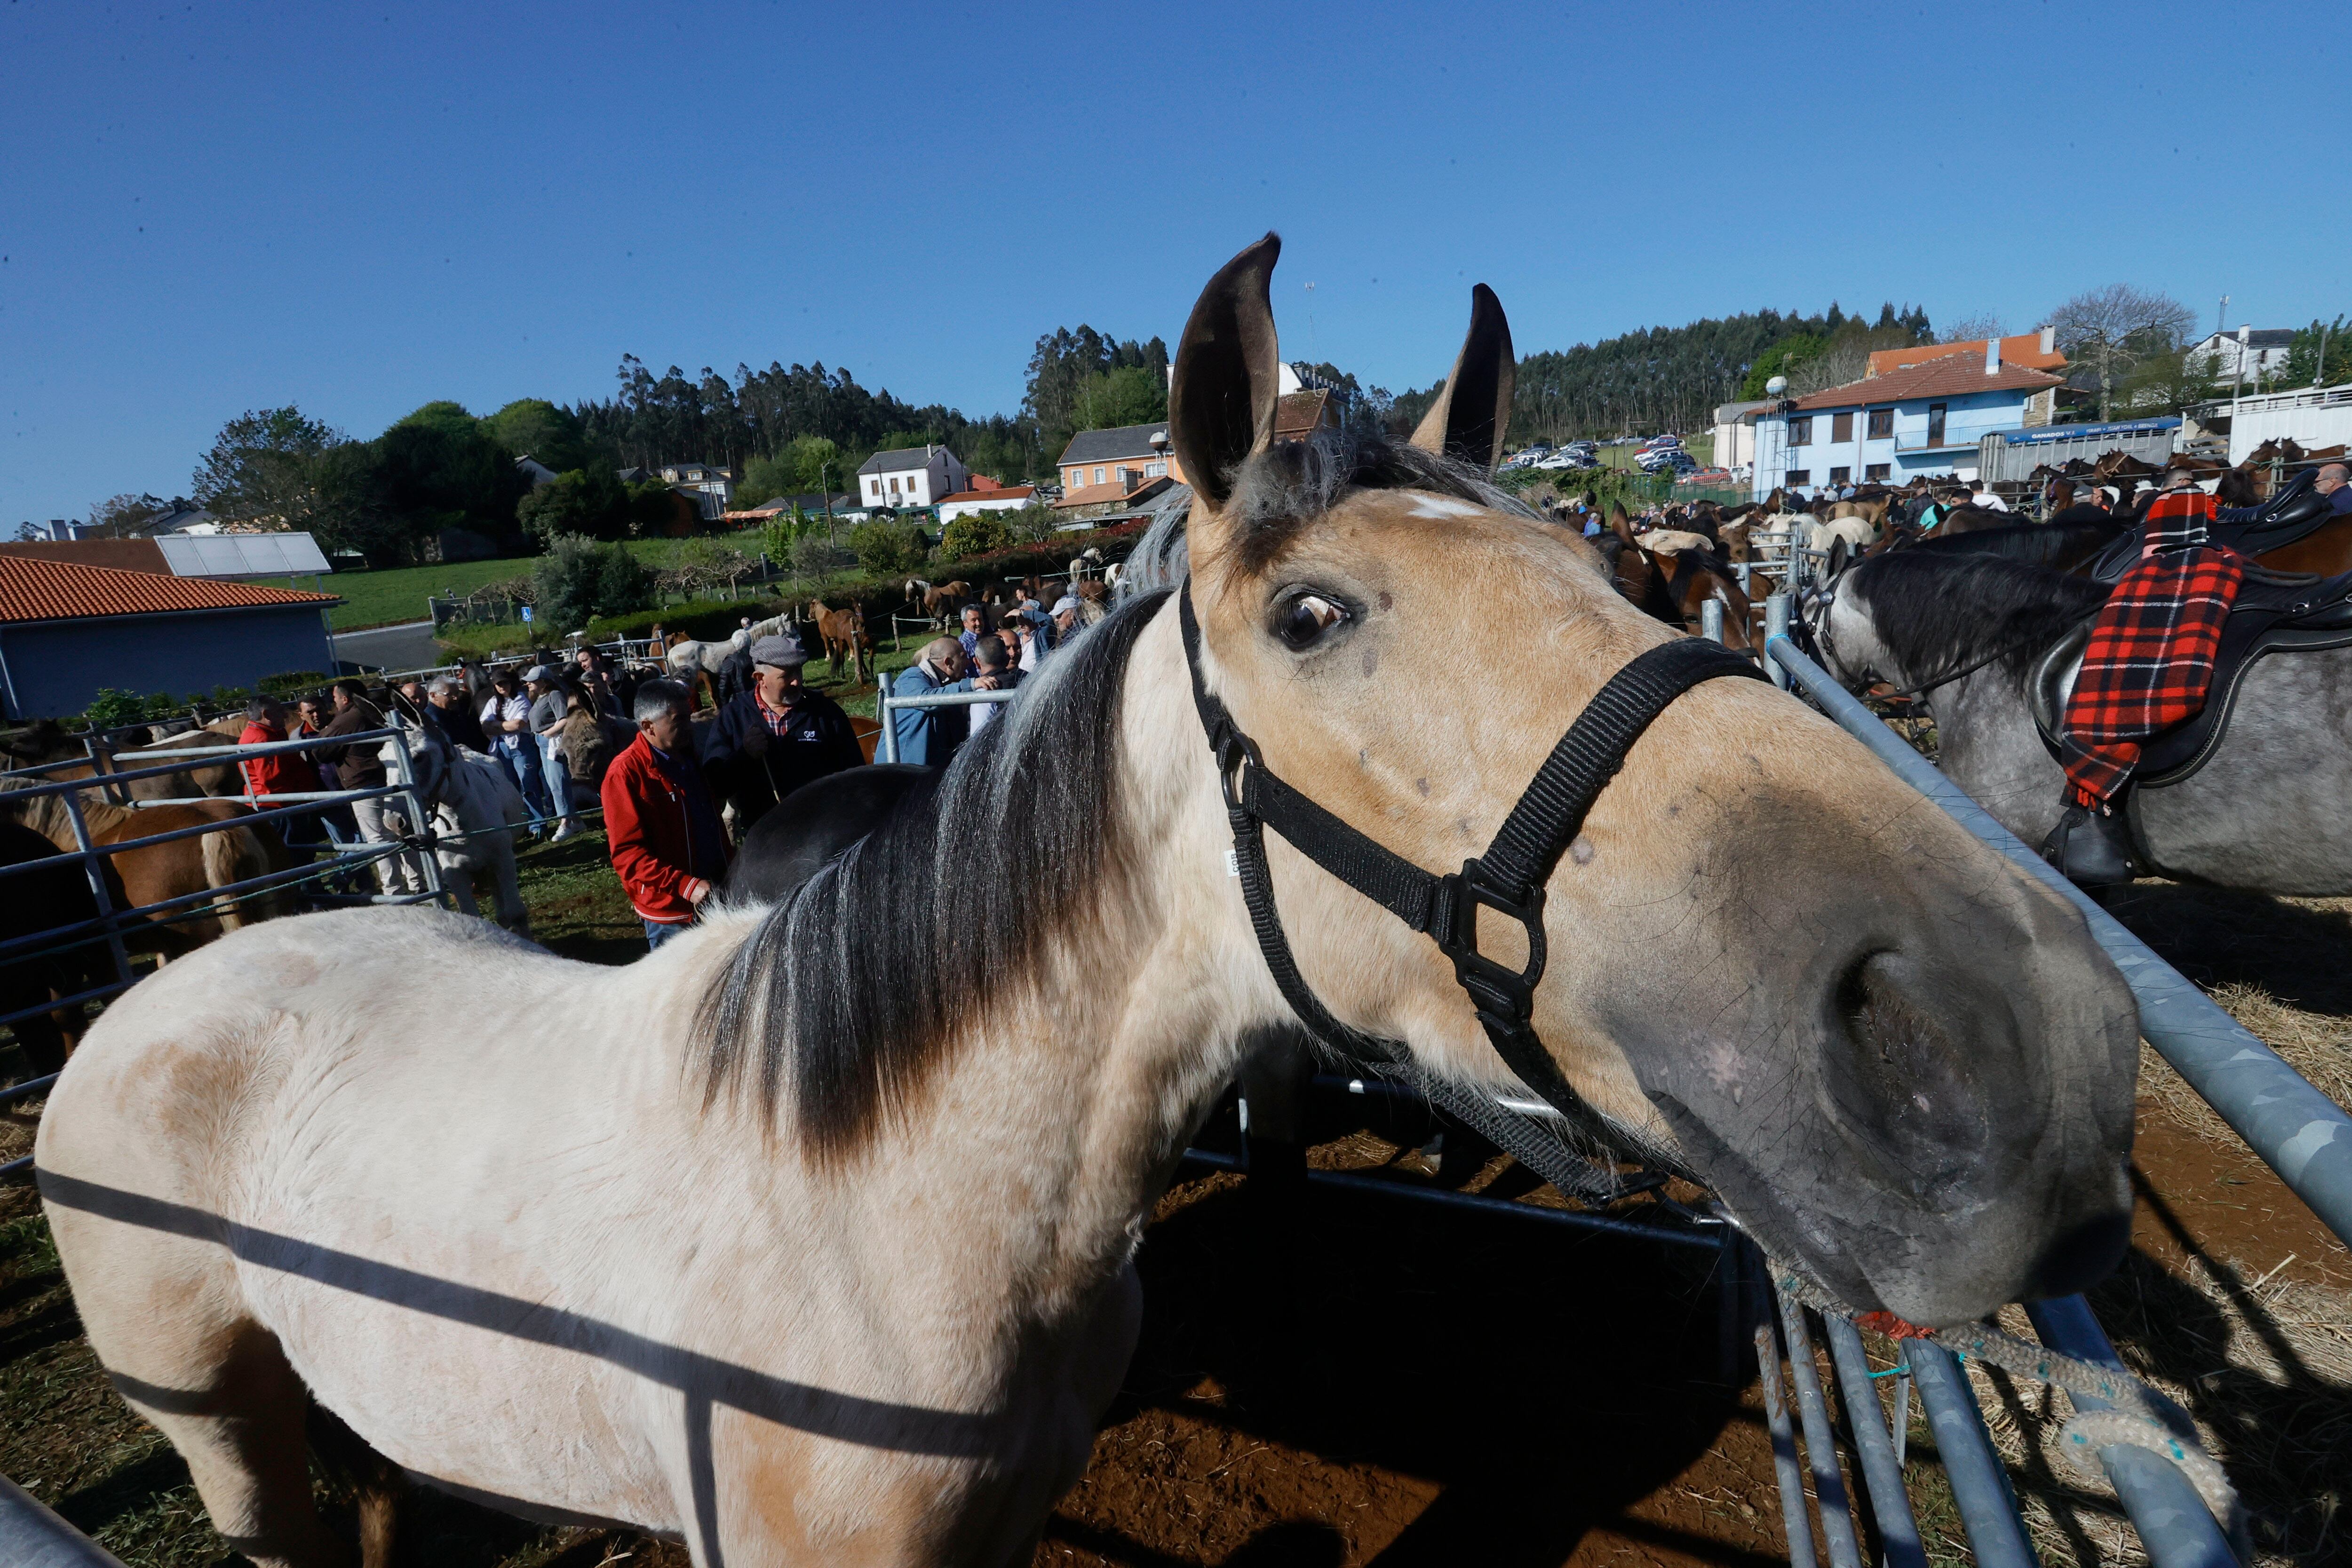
928	737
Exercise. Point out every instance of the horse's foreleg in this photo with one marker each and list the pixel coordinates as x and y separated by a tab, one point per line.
460	881
207	1375
513	913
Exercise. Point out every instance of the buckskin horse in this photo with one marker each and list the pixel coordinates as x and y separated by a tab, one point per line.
808	1236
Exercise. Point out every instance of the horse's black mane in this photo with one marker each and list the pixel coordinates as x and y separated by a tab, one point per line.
2037	544
852	988
1938	611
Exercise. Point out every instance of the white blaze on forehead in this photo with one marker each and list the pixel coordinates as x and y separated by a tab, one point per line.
1427	505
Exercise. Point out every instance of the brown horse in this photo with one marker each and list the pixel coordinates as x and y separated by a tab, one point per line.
37	900
1671	574
156	872
938	601
844	634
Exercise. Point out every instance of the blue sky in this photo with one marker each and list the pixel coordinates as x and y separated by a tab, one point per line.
209	207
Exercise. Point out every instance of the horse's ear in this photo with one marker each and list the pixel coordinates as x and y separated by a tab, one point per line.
1221	400
1472	414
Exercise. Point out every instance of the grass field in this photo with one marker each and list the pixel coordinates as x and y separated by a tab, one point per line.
397	594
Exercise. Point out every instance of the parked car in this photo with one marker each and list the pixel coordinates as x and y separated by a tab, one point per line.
1566	458
1720	478
1662	457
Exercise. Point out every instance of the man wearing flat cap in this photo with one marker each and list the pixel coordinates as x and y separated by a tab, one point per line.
767	741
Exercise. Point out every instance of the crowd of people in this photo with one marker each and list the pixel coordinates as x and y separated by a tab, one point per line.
671	792
679	785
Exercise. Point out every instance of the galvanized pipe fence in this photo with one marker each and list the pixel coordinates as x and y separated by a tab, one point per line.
110	924
2297	1131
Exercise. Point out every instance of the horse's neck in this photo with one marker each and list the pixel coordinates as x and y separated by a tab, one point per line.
1080	1089
48	815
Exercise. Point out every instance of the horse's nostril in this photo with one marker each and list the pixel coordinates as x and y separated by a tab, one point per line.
1902	1078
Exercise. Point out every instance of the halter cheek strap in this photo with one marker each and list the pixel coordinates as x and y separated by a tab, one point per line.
1508	878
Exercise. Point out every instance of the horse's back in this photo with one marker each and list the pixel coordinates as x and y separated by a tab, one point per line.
392	1128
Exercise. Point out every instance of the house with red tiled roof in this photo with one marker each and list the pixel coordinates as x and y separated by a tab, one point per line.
67	630
1917	420
2036	350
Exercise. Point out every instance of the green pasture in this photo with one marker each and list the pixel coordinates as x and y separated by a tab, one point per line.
397	593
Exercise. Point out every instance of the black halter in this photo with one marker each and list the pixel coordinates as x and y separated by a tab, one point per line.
1508	878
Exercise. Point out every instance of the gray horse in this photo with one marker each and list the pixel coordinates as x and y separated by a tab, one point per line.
2266	813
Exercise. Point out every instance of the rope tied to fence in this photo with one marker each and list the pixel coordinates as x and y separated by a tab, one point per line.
2142	1418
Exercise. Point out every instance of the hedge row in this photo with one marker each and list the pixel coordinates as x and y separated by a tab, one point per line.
877	597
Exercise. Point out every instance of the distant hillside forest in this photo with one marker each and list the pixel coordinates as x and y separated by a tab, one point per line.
1672	378
763	423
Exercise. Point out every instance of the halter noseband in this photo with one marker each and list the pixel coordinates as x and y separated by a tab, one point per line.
1508	878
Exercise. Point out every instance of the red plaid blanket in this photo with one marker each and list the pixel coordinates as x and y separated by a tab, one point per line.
2149	661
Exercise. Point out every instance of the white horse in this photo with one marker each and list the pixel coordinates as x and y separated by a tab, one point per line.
808	1238
1858	532
476	812
688	658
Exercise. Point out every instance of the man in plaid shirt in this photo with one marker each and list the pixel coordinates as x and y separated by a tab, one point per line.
767	741
2146	667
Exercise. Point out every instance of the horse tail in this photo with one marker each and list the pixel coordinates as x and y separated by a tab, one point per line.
231	858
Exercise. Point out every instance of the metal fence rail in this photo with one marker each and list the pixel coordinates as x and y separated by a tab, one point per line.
110	925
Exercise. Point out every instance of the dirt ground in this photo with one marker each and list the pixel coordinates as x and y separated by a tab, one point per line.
1327	1378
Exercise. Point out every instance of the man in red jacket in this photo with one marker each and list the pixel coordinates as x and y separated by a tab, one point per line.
666	843
283	772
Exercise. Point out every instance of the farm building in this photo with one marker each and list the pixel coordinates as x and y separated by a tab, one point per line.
67	630
228	557
1919	419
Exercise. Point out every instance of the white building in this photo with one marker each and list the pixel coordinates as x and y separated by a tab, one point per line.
1004	497
1734	434
911	476
2244	352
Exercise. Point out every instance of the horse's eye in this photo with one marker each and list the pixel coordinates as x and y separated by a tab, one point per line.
1307	617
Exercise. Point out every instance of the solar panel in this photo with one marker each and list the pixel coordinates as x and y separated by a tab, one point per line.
238	555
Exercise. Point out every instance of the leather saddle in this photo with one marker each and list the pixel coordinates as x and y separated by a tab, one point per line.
2275	612
2293	514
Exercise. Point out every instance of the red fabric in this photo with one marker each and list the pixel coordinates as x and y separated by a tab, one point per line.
651	841
287	773
2149	662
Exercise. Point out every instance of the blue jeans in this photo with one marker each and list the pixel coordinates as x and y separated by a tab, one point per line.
658	934
520	754
558	777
